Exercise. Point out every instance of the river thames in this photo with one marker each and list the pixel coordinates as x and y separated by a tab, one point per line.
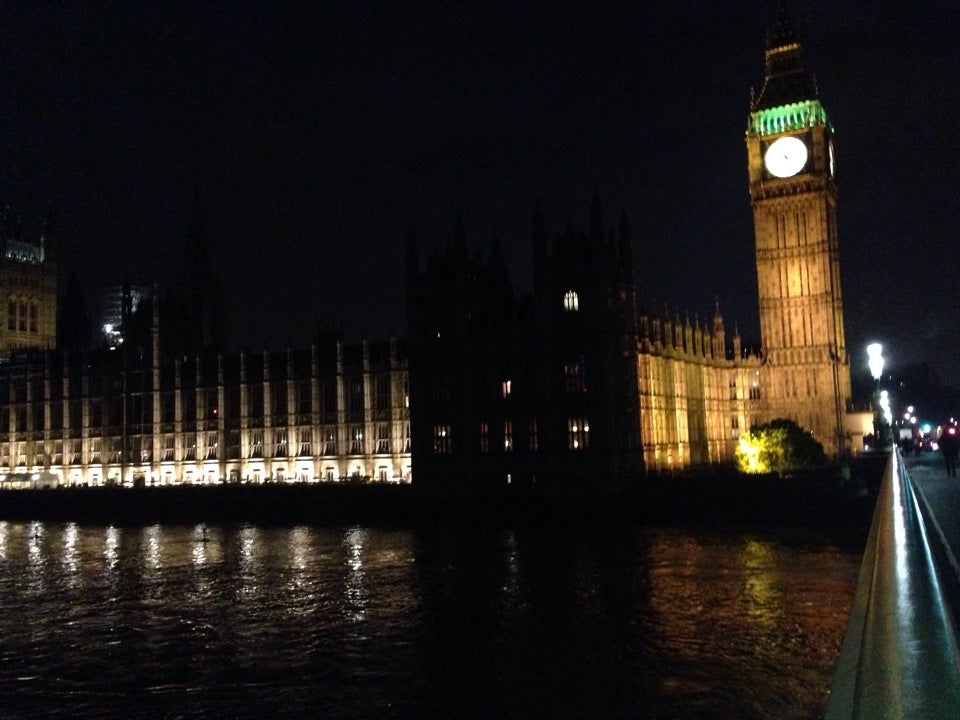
209	621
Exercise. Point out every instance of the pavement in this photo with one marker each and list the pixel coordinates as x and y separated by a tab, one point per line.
939	497
900	656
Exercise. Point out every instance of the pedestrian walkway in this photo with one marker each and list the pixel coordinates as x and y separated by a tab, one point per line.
939	496
900	656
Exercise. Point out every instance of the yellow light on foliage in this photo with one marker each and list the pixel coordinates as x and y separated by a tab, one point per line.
748	455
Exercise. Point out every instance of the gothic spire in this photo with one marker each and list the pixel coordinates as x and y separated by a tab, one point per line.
786	79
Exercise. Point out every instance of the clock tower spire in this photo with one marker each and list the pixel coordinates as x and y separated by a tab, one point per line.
806	372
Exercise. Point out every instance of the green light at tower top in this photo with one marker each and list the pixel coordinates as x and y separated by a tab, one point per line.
784	118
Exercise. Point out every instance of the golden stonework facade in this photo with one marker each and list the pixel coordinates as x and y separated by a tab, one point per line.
567	385
805	374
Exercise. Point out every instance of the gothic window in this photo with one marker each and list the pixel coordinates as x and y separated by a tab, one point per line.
304	442
506	388
213	446
168	447
571	301
441	389
212	403
233	445
575	379
278	399
330	396
281	450
507	435
484	437
383	438
256	400
406	437
304	397
381	394
441	439
355	402
141	448
256	444
578	434
12	315
190	451
534	435
330	442
33	317
356	440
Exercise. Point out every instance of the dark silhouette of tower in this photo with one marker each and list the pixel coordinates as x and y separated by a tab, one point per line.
73	323
537	390
193	317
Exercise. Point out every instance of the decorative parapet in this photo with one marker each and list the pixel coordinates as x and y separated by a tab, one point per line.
784	118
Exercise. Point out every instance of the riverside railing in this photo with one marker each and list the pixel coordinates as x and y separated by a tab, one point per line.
899	657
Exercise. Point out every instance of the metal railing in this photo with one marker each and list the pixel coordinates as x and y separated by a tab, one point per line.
899	657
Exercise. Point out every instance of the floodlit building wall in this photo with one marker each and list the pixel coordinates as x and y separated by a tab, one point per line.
337	415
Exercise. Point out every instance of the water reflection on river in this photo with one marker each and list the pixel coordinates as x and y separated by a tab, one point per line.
246	621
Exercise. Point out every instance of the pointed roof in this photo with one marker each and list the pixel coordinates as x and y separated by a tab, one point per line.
786	79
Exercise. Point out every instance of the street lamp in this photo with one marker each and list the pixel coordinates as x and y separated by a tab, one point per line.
882	416
875	360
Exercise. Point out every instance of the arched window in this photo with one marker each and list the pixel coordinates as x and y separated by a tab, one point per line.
571	301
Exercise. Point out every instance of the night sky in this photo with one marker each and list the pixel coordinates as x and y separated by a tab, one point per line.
316	134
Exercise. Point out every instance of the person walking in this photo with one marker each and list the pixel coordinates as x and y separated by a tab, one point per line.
950	447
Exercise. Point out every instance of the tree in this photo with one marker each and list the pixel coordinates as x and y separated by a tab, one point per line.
780	446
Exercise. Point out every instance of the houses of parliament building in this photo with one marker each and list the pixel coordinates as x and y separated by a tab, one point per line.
567	384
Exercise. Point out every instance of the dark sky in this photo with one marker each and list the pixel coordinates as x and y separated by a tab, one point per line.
317	133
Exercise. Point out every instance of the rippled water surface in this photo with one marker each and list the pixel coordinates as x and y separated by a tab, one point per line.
245	621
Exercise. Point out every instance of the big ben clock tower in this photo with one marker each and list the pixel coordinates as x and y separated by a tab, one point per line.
806	371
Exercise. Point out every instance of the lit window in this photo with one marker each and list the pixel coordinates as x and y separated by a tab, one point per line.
281	444
356	440
578	434
571	301
441	439
330	442
484	437
507	435
304	442
506	387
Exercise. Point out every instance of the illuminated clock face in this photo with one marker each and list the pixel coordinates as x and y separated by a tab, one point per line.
785	157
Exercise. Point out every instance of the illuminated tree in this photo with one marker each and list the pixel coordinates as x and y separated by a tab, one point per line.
778	447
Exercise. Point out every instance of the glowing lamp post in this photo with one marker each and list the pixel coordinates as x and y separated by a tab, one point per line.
875	360
882	417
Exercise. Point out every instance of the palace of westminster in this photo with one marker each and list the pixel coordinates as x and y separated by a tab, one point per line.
568	384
